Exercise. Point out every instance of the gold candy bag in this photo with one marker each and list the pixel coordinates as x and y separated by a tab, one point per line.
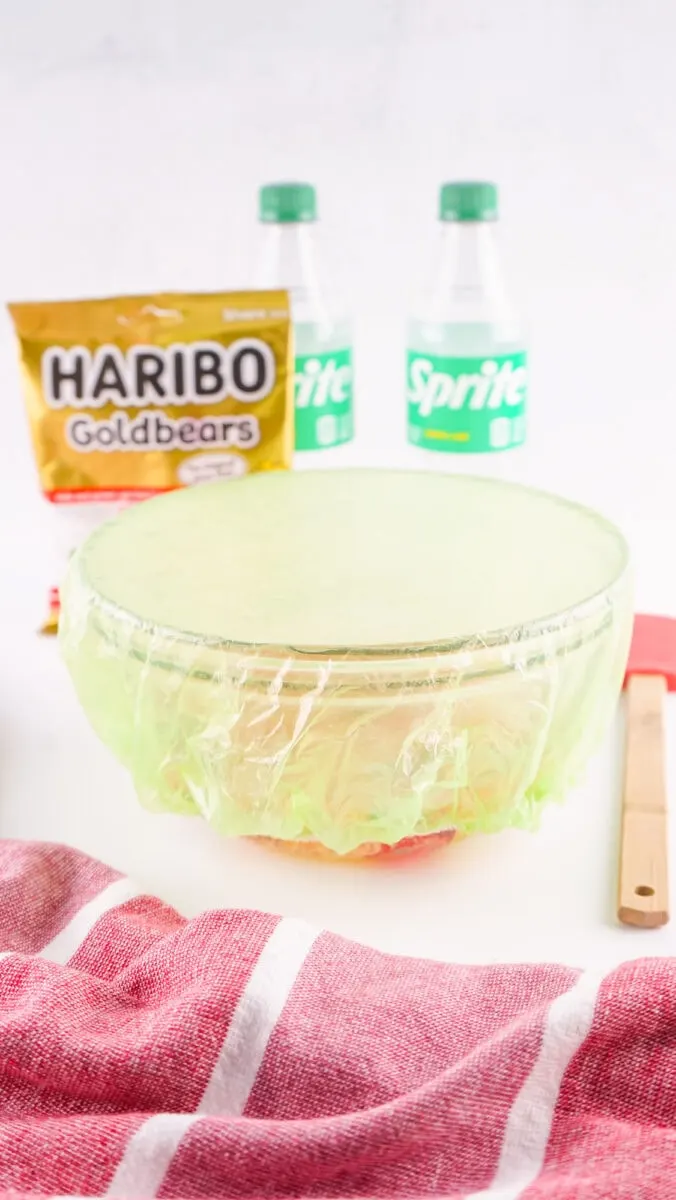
134	395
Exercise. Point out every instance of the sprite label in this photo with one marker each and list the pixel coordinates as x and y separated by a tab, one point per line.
323	399
466	405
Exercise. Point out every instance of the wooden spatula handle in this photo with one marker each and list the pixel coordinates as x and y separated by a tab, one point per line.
644	886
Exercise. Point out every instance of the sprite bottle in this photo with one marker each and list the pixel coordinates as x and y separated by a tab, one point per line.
323	342
467	372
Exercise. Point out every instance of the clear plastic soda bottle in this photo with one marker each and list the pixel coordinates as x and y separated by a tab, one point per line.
323	340
467	370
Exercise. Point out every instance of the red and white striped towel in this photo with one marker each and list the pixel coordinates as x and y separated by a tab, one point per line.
243	1055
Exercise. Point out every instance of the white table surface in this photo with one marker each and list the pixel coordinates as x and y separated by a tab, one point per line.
513	896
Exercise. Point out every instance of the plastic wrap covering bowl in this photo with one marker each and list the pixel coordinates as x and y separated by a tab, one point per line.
352	661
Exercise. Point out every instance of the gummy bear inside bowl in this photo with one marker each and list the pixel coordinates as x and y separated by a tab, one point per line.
351	660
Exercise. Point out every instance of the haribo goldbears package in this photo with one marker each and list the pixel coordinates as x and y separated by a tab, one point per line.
134	395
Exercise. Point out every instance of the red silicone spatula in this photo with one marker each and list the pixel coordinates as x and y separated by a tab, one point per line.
651	672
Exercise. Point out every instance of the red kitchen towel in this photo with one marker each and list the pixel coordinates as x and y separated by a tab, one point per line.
244	1055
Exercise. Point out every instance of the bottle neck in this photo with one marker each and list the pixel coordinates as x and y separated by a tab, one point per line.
288	260
467	275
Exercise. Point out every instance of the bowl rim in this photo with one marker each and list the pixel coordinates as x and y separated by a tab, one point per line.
523	634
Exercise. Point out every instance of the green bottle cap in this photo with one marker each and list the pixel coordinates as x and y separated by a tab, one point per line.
287	202
468	202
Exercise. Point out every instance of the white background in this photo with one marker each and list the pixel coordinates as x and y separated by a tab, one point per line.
133	138
135	134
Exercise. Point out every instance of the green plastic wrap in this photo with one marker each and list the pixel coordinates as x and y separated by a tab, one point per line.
351	658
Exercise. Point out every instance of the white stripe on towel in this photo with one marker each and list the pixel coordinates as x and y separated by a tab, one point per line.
259	1008
529	1123
150	1151
70	939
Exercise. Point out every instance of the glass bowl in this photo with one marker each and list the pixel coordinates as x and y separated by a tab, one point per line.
357	661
